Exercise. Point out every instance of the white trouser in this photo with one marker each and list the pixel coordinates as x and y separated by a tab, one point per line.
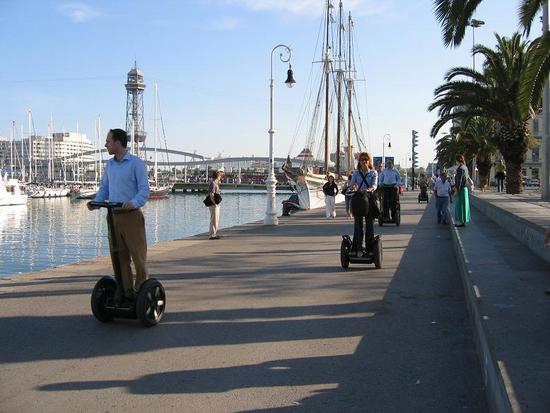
330	202
214	219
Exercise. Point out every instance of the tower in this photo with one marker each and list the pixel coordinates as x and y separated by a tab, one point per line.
134	109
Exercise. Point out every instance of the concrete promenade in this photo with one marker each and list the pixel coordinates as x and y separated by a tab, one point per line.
505	270
263	320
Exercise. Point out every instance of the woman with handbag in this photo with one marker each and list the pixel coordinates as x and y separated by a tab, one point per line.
214	195
364	183
462	200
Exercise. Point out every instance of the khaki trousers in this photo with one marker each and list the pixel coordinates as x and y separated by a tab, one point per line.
129	228
214	219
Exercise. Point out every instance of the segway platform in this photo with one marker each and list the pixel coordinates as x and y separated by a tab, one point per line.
375	258
396	219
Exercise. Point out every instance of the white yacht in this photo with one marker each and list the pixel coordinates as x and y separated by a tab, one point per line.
11	192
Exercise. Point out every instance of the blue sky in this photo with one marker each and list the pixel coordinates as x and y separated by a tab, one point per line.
211	61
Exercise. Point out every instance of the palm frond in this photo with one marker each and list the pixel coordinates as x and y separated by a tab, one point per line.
527	12
454	16
537	72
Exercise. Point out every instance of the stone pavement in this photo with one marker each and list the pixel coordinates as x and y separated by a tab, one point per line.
506	270
263	320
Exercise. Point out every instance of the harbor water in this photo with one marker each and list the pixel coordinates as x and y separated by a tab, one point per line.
46	233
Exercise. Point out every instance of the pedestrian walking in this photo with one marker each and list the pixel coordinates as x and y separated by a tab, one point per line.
347	192
500	175
364	182
462	200
214	193
125	180
442	190
330	189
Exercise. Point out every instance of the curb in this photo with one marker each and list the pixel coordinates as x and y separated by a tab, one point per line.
495	389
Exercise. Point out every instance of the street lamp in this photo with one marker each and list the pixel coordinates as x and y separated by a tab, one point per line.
387	135
474	24
271	181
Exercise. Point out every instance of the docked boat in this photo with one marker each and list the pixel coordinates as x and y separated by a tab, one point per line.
11	192
86	193
159	192
334	116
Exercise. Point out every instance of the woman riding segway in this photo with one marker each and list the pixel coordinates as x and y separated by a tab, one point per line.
364	183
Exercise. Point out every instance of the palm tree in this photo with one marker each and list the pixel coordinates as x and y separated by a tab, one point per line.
455	16
476	140
495	94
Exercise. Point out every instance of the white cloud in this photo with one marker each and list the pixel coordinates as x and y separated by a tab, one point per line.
78	12
313	7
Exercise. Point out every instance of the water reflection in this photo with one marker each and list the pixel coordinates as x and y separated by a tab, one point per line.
49	232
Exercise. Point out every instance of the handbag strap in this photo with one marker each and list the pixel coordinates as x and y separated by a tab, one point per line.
364	177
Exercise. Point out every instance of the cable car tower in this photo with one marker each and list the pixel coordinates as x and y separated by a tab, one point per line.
134	111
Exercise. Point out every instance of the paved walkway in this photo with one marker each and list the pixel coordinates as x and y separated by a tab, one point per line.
506	271
262	320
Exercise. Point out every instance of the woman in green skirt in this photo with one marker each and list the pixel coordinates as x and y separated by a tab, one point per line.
462	201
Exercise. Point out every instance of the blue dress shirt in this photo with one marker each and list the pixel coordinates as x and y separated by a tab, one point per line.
124	180
390	176
371	178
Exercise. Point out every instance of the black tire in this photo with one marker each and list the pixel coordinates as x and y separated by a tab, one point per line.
378	254
103	293
151	302
344	254
397	218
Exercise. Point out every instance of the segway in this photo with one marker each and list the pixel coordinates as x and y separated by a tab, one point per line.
387	219
375	257
150	301
423	195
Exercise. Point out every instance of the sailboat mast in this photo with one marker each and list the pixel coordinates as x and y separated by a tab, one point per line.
50	179
99	145
338	127
350	92
30	145
12	133
155	134
327	81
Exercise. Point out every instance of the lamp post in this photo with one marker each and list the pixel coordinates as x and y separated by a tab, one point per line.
271	181
387	135
474	24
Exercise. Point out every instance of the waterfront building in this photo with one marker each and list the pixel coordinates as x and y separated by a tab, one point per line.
63	156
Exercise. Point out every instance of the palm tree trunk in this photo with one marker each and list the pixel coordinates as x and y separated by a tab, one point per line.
483	169
512	146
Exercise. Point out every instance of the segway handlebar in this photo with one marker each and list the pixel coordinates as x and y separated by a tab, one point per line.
103	204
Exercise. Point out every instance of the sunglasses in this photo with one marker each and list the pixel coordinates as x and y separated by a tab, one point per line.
363	159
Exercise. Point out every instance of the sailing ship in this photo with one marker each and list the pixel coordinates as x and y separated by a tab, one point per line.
334	114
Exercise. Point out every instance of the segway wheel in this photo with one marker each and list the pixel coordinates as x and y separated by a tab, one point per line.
103	293
344	254
397	218
378	254
151	302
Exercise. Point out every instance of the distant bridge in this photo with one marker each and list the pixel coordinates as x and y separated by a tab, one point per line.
196	159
